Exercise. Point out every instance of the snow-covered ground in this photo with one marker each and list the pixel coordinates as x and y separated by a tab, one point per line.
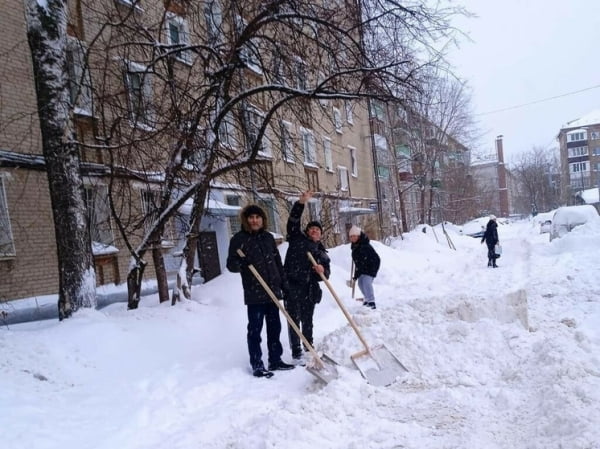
497	358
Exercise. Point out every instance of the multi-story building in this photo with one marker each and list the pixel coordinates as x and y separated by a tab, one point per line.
125	82
579	143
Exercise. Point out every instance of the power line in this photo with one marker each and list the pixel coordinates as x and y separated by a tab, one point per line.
539	101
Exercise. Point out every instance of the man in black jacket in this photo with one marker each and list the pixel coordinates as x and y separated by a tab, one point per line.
260	250
302	276
366	264
491	240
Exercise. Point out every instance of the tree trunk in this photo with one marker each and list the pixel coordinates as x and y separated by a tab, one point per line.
46	33
161	273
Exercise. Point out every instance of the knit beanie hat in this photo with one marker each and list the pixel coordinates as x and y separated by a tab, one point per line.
354	230
314	223
492	217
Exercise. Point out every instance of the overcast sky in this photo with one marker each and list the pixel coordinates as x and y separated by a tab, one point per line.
525	51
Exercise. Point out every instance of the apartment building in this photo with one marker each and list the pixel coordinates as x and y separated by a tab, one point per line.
579	143
140	93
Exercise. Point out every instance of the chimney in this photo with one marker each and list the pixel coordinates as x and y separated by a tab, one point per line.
502	187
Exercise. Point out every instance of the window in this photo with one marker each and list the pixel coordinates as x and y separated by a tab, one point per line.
595	135
353	161
327	154
96	201
287	144
249	53
343	178
576	136
578	167
255	122
269	207
80	83
138	81
337	120
307	140
234	222
7	244
178	36
312	178
578	151
377	110
300	75
150	209
213	14
597	166
597	151
349	113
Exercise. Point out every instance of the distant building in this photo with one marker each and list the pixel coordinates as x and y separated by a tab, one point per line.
493	179
579	142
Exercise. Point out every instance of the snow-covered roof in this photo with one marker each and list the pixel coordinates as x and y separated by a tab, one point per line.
590	118
356	210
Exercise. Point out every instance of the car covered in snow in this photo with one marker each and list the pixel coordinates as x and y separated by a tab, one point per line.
566	218
546	227
475	228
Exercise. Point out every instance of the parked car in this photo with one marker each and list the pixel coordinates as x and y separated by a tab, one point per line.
546	227
475	228
566	218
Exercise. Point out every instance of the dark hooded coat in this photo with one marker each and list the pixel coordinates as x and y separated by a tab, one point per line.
298	268
261	251
366	260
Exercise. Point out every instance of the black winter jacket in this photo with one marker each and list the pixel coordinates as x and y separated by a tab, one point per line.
491	234
366	260
298	268
261	251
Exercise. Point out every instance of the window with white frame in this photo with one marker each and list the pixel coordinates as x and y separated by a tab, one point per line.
343	178
279	75
597	166
353	161
349	112
150	209
213	15
138	81
578	151
337	120
595	135
328	156
576	136
178	36
596	151
80	82
234	222
255	121
7	244
268	205
578	167
300	79
287	143
98	210
307	141
249	53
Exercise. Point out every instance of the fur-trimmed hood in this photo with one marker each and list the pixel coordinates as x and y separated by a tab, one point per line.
253	209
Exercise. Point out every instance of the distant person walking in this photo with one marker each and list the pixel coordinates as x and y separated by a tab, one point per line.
302	276
260	250
490	237
366	264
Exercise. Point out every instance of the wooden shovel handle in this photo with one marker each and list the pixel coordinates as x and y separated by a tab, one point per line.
282	309
341	305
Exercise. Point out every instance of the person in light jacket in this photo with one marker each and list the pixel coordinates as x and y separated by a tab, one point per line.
490	237
260	250
366	264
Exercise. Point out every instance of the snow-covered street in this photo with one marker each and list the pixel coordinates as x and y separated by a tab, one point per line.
497	358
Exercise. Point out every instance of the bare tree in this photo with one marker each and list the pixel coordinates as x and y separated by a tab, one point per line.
536	173
46	33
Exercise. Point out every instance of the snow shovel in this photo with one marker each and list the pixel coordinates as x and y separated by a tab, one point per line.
376	364
323	368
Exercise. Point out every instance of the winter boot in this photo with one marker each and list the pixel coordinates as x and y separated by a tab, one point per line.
280	365
262	372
